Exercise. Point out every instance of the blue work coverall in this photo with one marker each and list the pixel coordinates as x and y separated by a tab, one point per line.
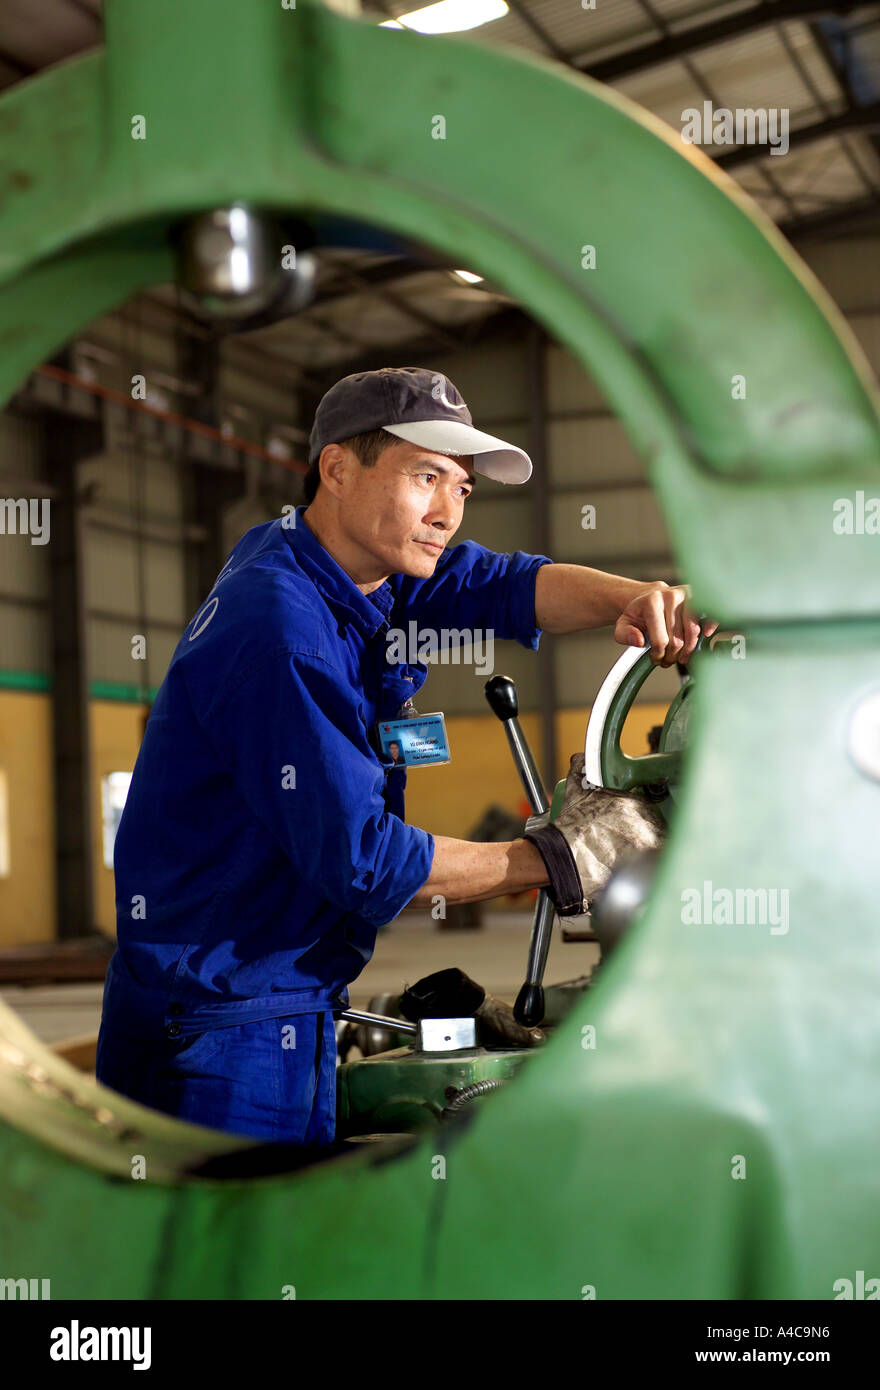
263	840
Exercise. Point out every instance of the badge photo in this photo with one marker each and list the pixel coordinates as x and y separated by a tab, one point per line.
414	742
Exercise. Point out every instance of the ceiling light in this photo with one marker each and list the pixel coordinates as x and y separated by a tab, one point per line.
449	16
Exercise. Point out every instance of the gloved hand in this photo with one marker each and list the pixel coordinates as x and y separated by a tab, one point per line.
453	994
497	1027
594	829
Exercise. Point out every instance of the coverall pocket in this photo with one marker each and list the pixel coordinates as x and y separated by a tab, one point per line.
190	1053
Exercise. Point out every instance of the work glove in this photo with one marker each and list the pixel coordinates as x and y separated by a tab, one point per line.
594	829
453	994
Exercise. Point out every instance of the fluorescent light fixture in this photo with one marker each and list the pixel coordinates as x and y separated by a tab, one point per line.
449	16
468	277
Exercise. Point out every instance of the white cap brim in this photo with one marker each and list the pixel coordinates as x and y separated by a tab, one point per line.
495	458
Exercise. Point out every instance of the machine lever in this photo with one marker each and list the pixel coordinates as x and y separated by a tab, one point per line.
398	1025
529	1007
431	1034
500	691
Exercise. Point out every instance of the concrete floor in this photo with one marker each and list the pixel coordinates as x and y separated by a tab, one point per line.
413	946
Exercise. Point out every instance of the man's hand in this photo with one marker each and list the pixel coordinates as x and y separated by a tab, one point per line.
661	618
594	829
453	994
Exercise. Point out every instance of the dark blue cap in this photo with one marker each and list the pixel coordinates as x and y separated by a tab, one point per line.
419	406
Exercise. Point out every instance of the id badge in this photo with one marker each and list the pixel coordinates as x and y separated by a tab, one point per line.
419	741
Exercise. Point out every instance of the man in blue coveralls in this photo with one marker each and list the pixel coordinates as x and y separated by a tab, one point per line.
263	840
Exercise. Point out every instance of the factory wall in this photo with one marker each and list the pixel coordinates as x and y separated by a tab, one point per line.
140	532
27	882
446	800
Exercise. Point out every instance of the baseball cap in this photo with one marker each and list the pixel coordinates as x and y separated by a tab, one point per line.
420	406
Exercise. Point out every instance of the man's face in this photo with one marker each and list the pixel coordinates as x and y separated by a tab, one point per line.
402	512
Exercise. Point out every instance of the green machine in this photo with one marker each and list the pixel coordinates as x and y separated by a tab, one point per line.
704	1121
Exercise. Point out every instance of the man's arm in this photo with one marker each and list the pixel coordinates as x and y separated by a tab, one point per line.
476	588
572	598
466	872
519	595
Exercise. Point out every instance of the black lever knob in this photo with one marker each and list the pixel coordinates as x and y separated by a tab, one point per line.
529	1007
501	693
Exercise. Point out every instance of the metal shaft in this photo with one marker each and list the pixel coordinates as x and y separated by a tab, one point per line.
526	766
539	945
379	1021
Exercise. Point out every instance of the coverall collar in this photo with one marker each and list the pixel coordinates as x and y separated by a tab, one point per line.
368	612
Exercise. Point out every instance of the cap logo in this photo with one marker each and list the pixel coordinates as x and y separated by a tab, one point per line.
438	391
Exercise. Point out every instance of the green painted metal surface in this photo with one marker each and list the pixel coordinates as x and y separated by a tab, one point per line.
618	768
406	1090
711	1041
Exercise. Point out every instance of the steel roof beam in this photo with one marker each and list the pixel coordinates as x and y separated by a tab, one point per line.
682	44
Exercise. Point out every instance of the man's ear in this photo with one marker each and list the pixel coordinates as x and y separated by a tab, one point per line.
334	468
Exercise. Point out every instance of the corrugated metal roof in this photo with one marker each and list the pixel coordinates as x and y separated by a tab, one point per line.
815	176
666	91
757	70
581	32
681	15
